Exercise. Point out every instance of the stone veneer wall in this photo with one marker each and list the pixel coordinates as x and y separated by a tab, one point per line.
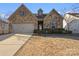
51	16
27	18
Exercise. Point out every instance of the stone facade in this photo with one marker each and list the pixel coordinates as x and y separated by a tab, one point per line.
23	16
53	19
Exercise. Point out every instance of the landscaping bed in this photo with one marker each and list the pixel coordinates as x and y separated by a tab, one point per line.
53	31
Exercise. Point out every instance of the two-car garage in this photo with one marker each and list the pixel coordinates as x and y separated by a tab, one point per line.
23	28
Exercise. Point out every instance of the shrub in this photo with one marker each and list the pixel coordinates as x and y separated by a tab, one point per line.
35	31
56	31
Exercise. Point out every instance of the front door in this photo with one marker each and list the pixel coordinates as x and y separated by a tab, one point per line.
40	25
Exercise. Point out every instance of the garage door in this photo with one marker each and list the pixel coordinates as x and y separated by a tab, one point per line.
23	28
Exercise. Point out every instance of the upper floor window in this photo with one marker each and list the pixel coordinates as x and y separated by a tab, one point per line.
22	13
55	18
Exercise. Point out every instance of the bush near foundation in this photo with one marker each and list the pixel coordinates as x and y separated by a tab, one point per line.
53	31
61	31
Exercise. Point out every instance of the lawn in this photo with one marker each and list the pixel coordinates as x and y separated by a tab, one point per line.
50	45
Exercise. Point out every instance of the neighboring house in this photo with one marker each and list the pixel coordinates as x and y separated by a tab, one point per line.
23	20
72	22
4	28
1	31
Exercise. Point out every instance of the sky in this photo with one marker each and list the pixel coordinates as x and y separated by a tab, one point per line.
6	9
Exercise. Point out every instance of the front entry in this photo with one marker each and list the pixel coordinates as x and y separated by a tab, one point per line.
40	25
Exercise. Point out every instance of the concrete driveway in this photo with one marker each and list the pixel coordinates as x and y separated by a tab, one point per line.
10	43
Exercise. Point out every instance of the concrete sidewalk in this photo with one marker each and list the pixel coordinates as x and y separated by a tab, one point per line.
11	43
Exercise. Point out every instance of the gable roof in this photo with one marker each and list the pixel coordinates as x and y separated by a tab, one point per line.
68	17
19	9
74	14
2	21
53	11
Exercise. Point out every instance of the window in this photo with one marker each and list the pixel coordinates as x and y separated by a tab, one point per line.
55	18
22	13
